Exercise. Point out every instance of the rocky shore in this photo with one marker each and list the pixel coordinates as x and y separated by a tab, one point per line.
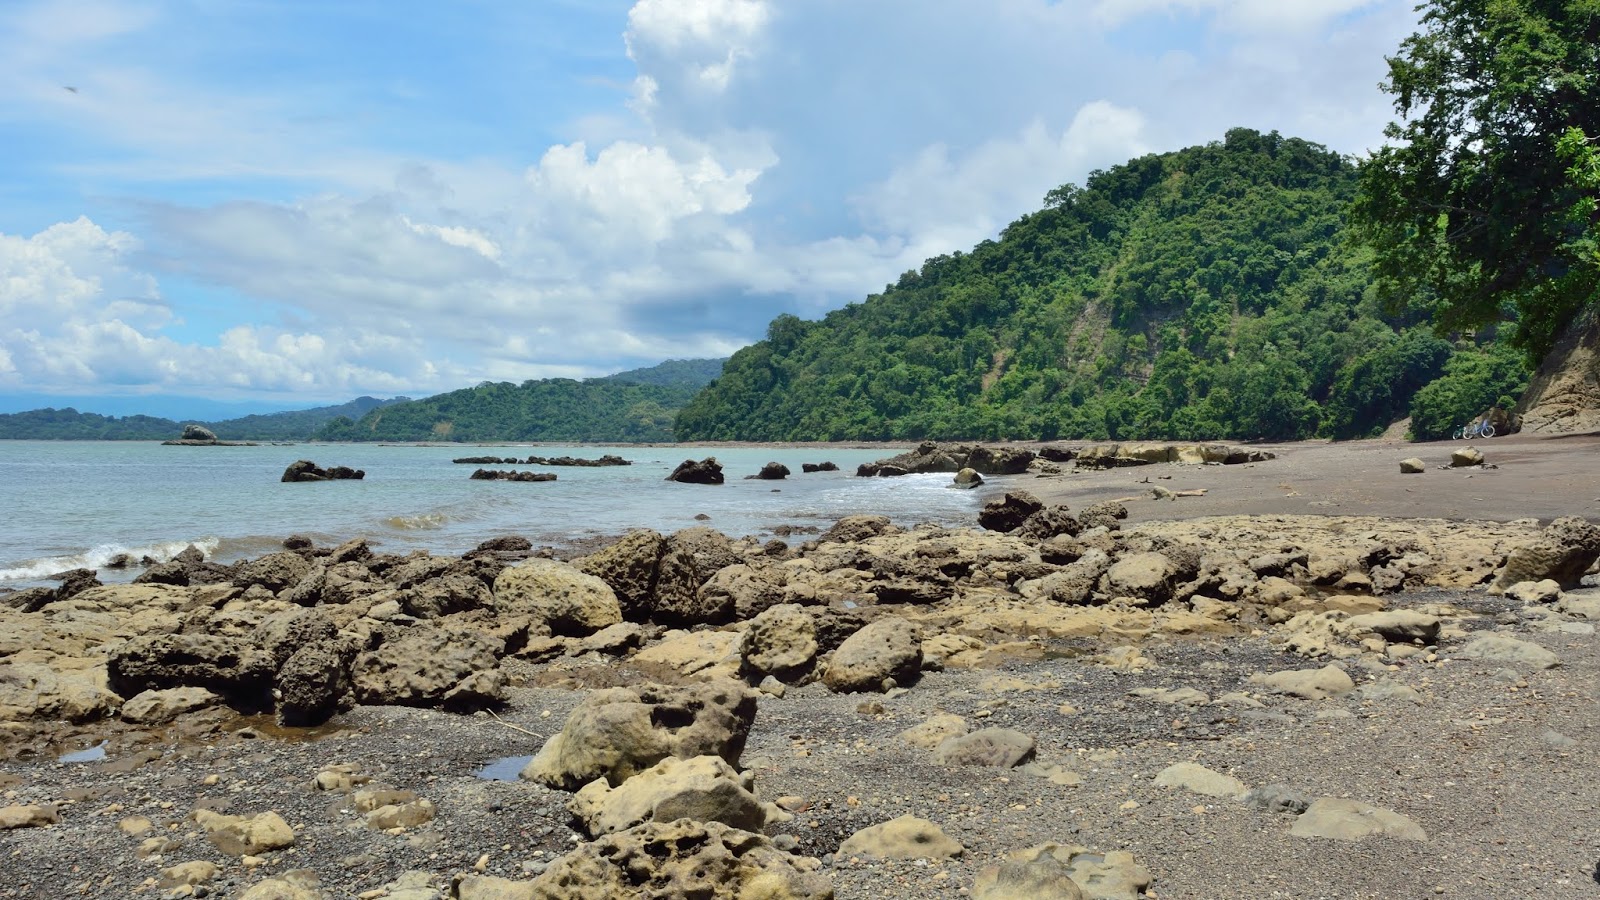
1057	703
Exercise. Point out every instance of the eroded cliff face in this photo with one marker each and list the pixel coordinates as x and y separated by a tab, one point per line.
1564	395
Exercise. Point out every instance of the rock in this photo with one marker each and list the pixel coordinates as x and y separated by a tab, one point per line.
705	471
1146	576
1466	457
689	560
1103	876
1533	593
1412	466
446	595
563	597
1400	626
306	470
508	475
29	816
704	788
884	654
1563	552
907	837
1008	512
933	732
997	747
230	667
245	835
194	432
968	478
189	873
619	732
405	815
772	471
614	640
424	665
488	887
299	884
161	707
825	466
855	529
682	859
1509	650
1201	780
34	692
282	633
1352	820
1310	684
629	566
313	683
748	590
781	641
1277	798
275	571
1041	878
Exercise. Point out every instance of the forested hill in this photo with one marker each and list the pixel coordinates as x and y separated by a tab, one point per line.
1206	293
629	407
69	424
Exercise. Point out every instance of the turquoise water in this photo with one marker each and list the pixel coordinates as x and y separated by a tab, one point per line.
78	503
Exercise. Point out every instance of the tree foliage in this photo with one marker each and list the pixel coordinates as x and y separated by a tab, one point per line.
1206	293
1483	205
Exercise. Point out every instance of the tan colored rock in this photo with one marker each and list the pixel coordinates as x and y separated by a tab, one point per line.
996	747
1352	820
411	814
1412	466
616	733
933	732
705	789
1499	648
781	641
565	598
1310	684
1466	457
245	835
1114	875
907	837
1400	626
488	887
886	653
36	691
299	884
1562	552
703	653
1533	593
160	707
1041	878
29	816
704	860
189	873
1201	780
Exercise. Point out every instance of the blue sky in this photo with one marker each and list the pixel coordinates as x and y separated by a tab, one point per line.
282	203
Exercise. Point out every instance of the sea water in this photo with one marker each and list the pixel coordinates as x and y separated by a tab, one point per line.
70	504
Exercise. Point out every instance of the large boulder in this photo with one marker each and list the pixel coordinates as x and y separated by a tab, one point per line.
1563	552
565	598
161	707
685	858
1001	748
882	655
690	558
313	683
854	529
428	666
1008	512
192	432
448	594
619	732
781	642
233	668
907	837
275	571
705	471
705	789
772	471
629	566
999	460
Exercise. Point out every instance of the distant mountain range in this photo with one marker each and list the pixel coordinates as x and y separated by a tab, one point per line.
637	405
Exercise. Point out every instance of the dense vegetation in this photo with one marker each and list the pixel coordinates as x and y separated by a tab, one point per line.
1488	197
70	425
631	407
1208	293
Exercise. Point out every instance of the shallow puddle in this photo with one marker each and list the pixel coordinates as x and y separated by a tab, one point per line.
265	726
506	768
95	753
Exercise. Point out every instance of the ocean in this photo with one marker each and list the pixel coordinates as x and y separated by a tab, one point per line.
70	504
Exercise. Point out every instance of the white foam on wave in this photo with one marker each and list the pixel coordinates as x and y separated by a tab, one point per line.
97	557
421	522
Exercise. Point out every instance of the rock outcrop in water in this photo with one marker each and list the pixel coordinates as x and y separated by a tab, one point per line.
704	471
306	470
507	475
602	462
201	436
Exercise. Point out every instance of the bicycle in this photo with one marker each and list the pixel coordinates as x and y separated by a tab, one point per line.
1481	429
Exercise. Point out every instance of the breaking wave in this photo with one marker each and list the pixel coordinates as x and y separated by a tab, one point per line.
97	558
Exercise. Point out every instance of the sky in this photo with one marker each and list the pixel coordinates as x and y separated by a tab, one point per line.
271	204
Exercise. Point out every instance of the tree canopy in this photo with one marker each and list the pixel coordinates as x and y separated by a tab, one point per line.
1212	292
1483	206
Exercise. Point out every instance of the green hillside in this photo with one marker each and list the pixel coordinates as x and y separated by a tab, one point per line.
70	425
629	407
1206	293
